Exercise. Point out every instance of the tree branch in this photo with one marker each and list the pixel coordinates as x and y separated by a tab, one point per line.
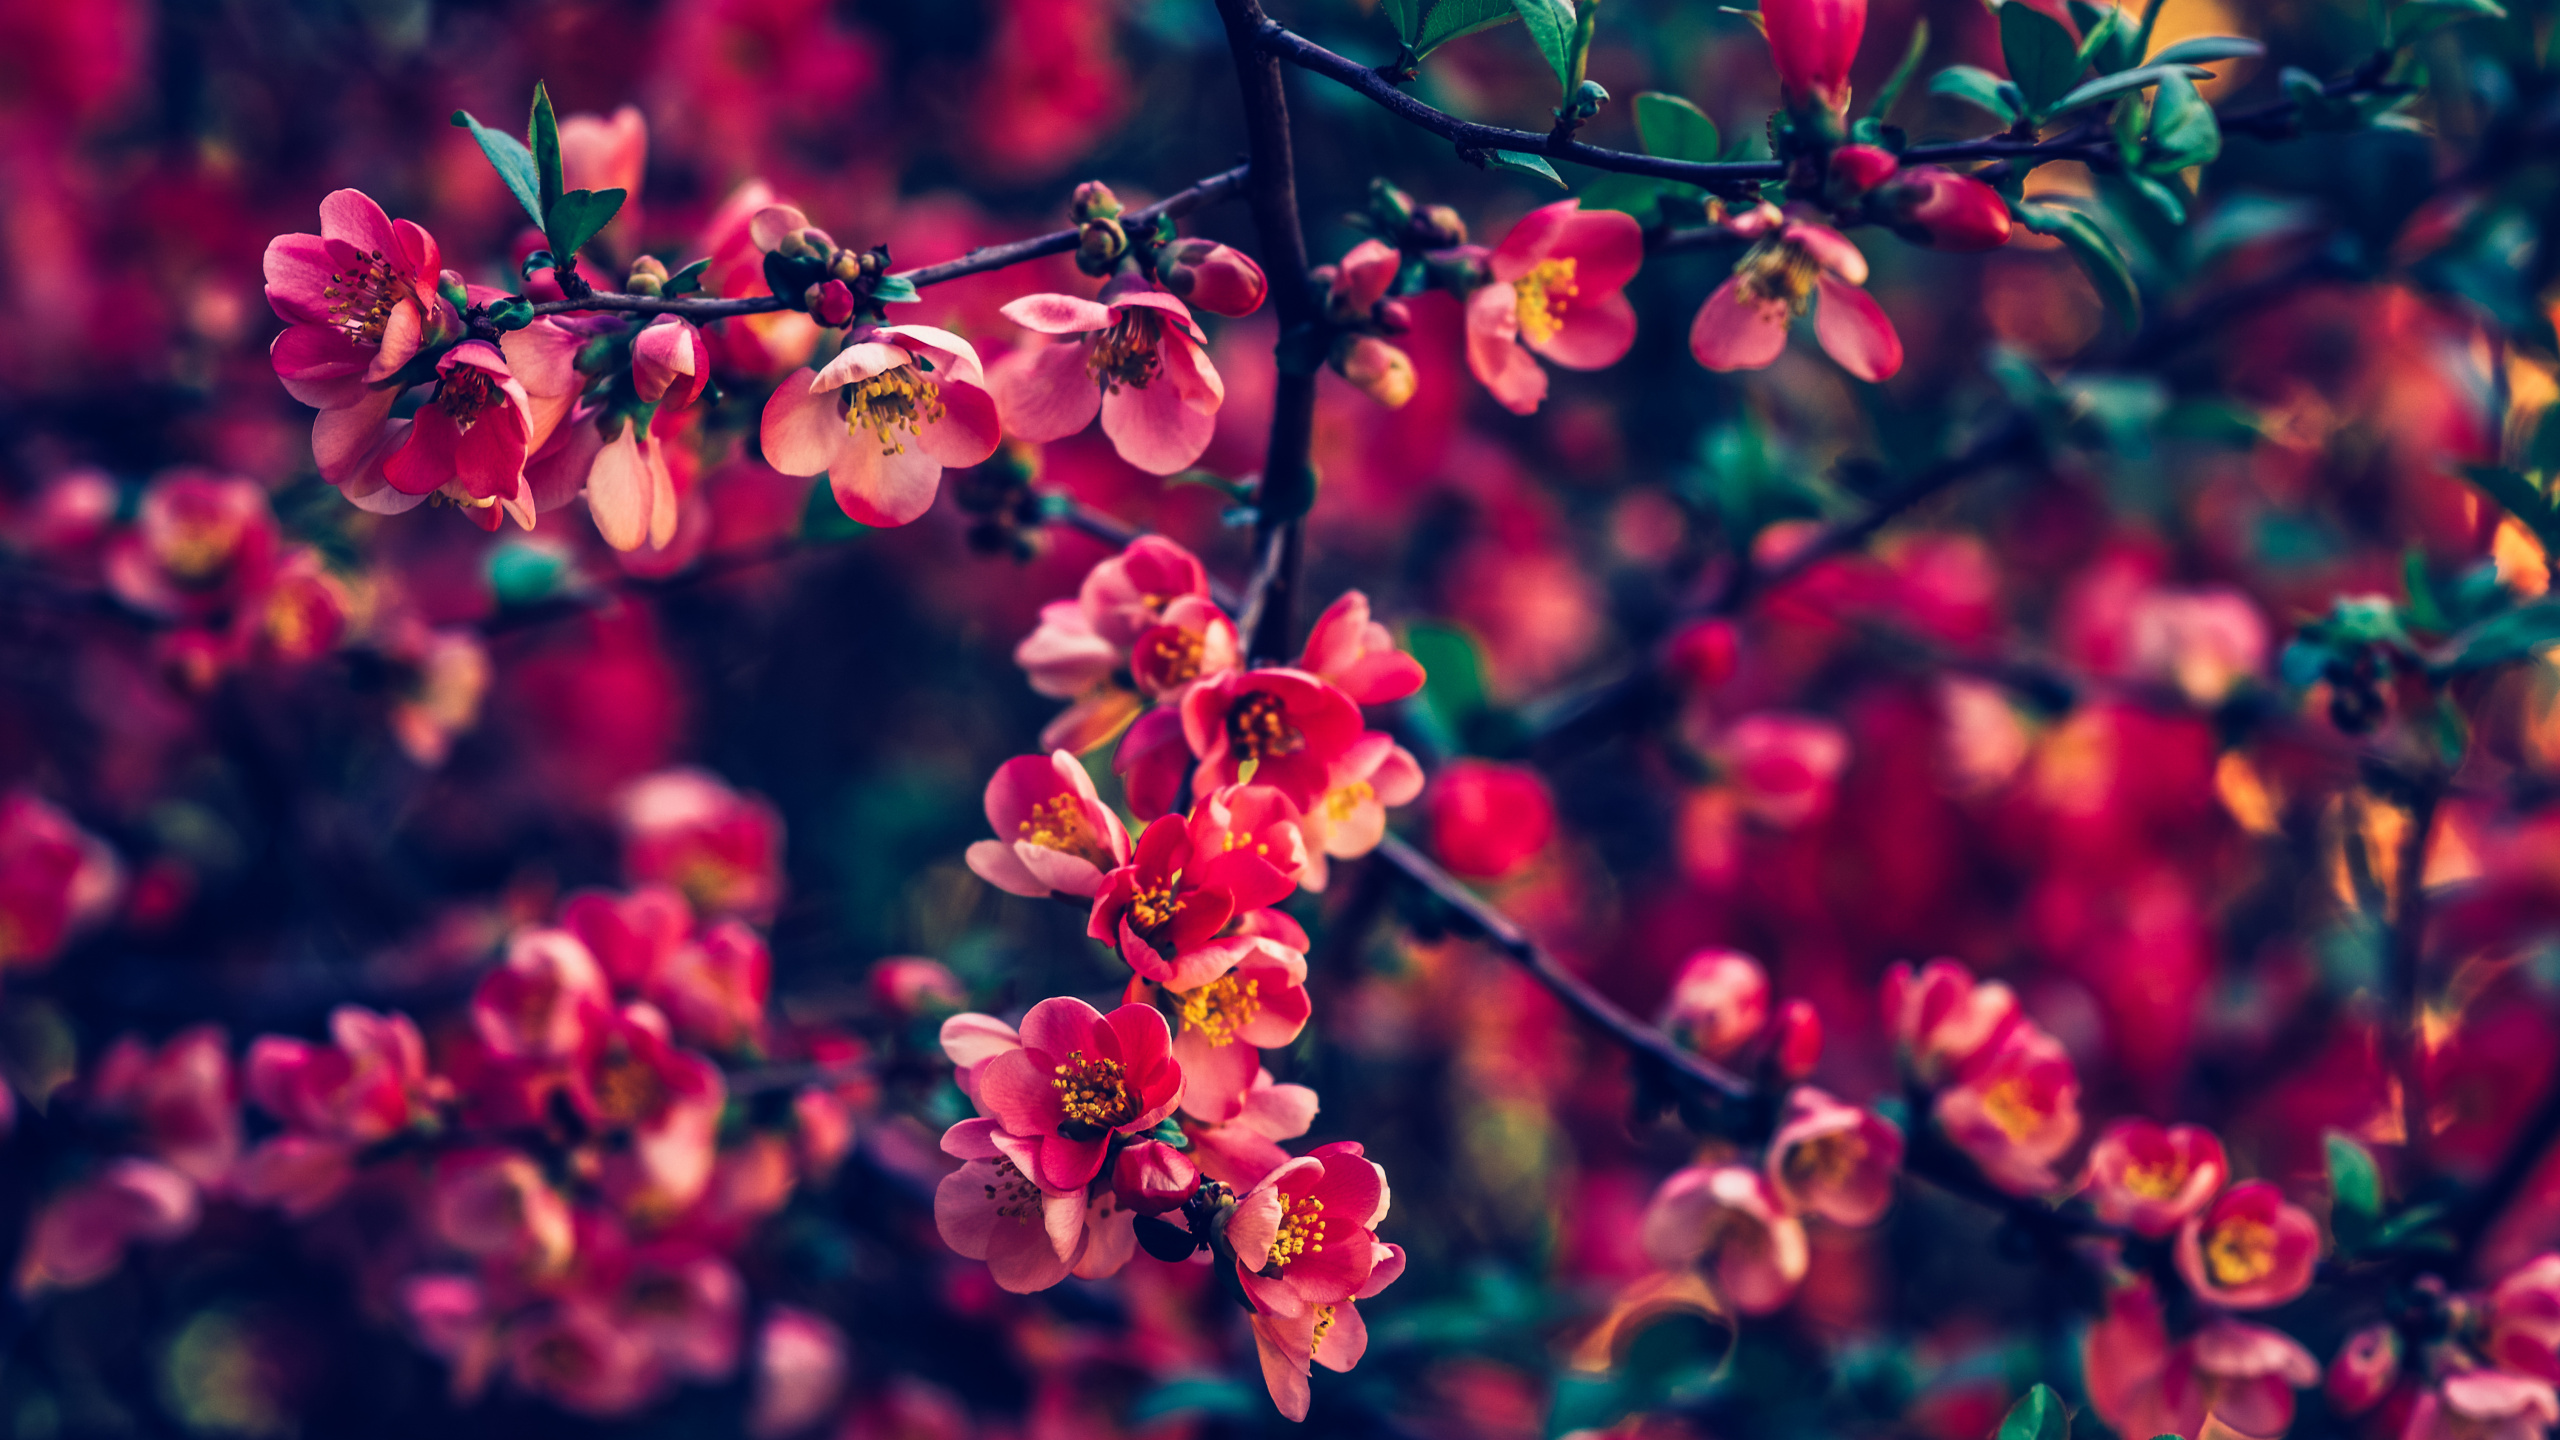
986	257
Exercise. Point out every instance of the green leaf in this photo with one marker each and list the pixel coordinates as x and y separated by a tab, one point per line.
510	159
526	572
2094	37
1405	15
1551	24
2171	205
1445	20
2205	49
1673	128
2509	637
2039	1416
1635	195
2415	19
1526	164
1977	86
894	290
1894	84
2108	86
2184	131
2355	1189
686	280
2402	1229
2042	60
576	217
542	133
2521	498
2096	253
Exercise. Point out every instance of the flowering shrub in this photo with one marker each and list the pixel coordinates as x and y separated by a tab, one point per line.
1004	830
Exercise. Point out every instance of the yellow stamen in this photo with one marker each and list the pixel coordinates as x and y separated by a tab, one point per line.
1546	292
2239	1251
1345	801
1059	823
1222	1007
361	300
892	404
1126	353
1778	270
1094	1092
1153	907
2156	1182
1301	1231
1258	728
1177	657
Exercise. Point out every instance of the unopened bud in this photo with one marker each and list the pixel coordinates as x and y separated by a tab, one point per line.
1796	1040
1213	277
908	986
1934	206
1718	1005
818	243
1362	280
1706	653
874	260
791	242
1438	227
1857	169
1094	201
1393	316
1100	245
1152	1177
831	302
847	266
1389	208
1460	269
1378	368
2364	1370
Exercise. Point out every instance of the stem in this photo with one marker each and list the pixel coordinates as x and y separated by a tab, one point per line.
986	257
1288	489
2408	994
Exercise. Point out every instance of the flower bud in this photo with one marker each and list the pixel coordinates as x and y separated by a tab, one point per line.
908	986
1488	820
1706	653
1934	206
1438	227
669	361
1857	169
1094	201
1101	243
2365	1368
1460	268
791	242
648	276
1719	1004
1213	277
847	266
1795	1045
817	243
1389	208
831	302
1377	367
1152	1177
1361	281
1393	316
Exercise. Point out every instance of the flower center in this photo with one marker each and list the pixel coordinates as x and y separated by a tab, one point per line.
1126	353
1173	655
1093	1093
2240	1251
1826	1161
892	404
1546	292
1059	823
1222	1007
1301	1230
197	549
362	296
1153	907
2011	1104
1345	801
1324	1327
1779	271
1258	728
627	1091
464	394
1012	1194
2157	1181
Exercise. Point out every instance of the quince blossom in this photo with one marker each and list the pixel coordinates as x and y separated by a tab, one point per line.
1141	363
1059	836
1558	279
897	406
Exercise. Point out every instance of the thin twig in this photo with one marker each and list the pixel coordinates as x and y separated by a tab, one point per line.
986	257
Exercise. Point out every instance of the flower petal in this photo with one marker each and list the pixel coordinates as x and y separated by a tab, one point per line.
1854	330
1057	314
802	429
1732	333
1595	333
1044	393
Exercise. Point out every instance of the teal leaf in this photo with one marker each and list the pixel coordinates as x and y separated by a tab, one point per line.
510	159
1635	195
1977	86
895	290
2355	1189
1551	25
1673	128
1445	20
2094	37
1527	164
2043	62
2096	253
2184	131
2205	49
2501	640
2039	1416
2416	19
687	280
542	132
2161	197
2107	87
576	217
1895	84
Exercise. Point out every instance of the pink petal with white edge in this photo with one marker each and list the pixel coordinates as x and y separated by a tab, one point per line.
1044	393
968	431
1057	314
860	361
1496	358
953	358
1855	331
1833	250
803	429
1156	428
353	216
1594	335
1169	306
1731	333
618	492
999	865
883	489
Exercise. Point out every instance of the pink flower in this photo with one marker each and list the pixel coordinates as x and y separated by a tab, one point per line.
1239	850
1213	277
1031	1236
1195	641
1080	643
1259	1004
1731	1220
1941	1020
1239	1152
2249	1249
635	1082
367	1085
2484	1405
80	1235
800	1373
2365	1369
1375	775
2149	1179
2124	1357
2524	1319
200	544
55	880
1357	655
607	152
2240	1374
1833	1160
580	1356
1488	820
631	937
895	407
1079	1078
494	1205
1813	43
1292	727
359	302
2015	1111
669	365
450	1316
1142	364
1305	1234
1557	279
686	1301
714	990
544	1002
181	1100
1744	323
723	849
1719	1004
1333	1336
631	494
1783	767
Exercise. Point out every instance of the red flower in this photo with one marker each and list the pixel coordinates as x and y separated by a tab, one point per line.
199	545
1488	820
1557	279
1239	850
1259	1004
1834	1160
1941	1020
1744	323
1733	1221
2524	1319
1239	1152
1141	363
1079	1078
55	879
1058	836
663	1105
181	1101
2250	1249
1357	655
1306	1234
2365	1369
1783	767
2484	1405
1333	1336
895	407
721	848
494	1205
1718	1005
544	1002
2149	1179
1290	726
80	1235
2016	1110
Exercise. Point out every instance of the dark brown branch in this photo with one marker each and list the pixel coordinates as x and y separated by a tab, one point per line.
1288	488
986	257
